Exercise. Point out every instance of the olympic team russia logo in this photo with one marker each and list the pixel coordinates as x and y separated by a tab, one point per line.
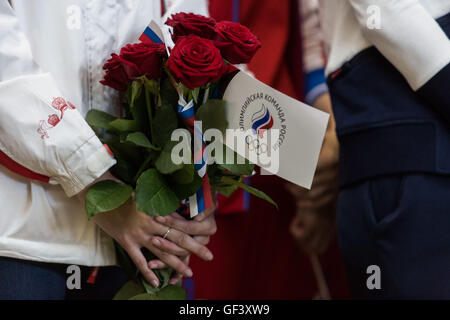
262	120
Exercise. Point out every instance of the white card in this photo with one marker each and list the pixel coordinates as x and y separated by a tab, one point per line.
252	105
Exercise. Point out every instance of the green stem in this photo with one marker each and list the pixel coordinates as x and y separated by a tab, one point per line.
150	115
142	167
169	74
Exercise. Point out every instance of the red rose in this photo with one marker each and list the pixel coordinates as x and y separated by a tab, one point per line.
185	24
135	60
146	56
116	77
236	42
196	61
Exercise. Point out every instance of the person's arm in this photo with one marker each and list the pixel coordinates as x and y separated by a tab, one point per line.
313	51
415	44
313	224
39	129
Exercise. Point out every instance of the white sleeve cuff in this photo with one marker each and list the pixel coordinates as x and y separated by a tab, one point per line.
84	166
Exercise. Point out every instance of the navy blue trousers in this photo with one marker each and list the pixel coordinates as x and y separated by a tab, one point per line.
400	223
27	280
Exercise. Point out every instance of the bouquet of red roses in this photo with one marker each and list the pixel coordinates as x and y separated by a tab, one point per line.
163	94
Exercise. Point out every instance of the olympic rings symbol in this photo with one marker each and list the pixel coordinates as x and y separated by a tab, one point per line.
256	145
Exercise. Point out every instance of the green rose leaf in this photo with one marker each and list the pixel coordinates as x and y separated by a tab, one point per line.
212	115
153	195
130	290
165	121
99	119
185	175
184	191
237	165
123	125
163	277
251	190
168	93
164	163
129	158
226	190
170	292
239	169
141	140
105	196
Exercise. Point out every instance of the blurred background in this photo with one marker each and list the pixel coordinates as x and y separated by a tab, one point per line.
262	253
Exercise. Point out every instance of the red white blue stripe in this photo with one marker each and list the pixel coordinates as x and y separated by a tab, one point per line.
202	199
152	33
261	121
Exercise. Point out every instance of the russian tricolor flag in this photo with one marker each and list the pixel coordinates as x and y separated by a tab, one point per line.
152	33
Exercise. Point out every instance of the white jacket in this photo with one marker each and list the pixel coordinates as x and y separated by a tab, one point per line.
408	35
51	58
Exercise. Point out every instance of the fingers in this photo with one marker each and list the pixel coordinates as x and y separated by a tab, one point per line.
205	214
140	262
158	264
171	261
169	247
179	241
187	242
207	226
177	277
312	232
204	240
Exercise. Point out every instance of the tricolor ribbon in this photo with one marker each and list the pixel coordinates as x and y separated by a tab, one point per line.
201	200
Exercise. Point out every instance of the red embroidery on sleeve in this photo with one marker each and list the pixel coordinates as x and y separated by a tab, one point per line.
59	104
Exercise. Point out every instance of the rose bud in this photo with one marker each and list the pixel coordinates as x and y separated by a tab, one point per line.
146	56
116	77
236	42
185	24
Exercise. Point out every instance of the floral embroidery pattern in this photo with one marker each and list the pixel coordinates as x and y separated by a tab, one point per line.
53	119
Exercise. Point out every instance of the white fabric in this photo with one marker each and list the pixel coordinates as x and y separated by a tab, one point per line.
409	36
50	49
312	36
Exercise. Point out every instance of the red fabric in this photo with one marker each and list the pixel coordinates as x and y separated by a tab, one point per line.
254	254
21	170
163	8
109	150
278	62
233	204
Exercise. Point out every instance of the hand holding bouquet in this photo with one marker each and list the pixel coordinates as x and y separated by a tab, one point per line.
167	99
